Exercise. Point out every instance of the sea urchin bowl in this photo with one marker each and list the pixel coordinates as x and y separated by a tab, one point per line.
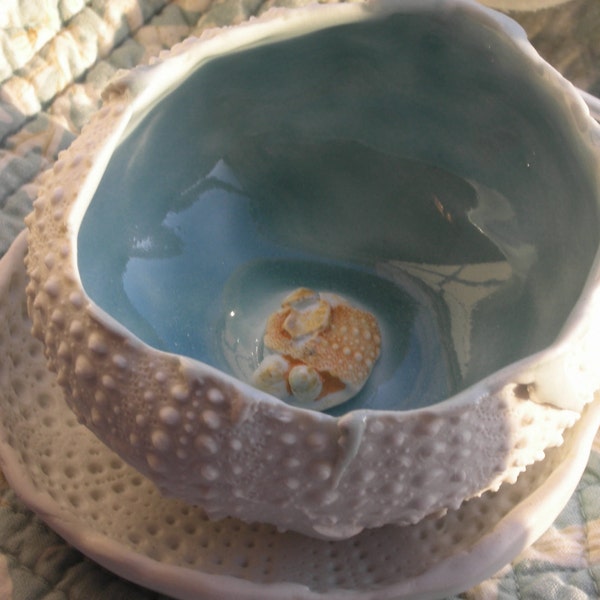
418	160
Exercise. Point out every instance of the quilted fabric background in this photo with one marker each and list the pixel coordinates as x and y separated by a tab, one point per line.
55	58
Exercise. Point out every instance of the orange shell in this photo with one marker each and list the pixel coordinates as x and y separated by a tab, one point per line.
346	348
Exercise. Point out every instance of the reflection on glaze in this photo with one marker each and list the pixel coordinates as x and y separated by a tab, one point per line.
462	289
321	350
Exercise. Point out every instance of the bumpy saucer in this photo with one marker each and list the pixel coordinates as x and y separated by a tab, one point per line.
118	518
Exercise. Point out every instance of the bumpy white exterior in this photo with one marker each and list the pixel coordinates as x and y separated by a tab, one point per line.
210	440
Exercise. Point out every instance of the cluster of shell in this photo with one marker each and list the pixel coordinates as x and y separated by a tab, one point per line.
322	349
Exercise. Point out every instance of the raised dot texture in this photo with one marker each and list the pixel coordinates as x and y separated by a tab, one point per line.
58	317
211	419
206	444
161	440
57	196
215	396
120	361
84	368
169	415
76	299
180	393
52	287
108	382
289	438
76	329
155	463
49	260
97	344
209	473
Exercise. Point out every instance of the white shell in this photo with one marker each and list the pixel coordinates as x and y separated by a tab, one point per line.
211	440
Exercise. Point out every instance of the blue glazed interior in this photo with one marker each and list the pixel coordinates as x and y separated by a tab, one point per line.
415	164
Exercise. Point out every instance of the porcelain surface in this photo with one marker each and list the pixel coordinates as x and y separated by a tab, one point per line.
117	517
414	172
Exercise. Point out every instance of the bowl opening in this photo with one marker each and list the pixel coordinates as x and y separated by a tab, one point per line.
420	165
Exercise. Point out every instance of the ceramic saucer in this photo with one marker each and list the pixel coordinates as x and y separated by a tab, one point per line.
119	519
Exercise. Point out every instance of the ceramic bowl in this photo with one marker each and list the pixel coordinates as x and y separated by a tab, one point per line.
418	159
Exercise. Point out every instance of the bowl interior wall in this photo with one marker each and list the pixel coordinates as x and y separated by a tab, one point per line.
420	164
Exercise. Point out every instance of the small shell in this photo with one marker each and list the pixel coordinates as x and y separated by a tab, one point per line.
314	318
271	375
305	383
